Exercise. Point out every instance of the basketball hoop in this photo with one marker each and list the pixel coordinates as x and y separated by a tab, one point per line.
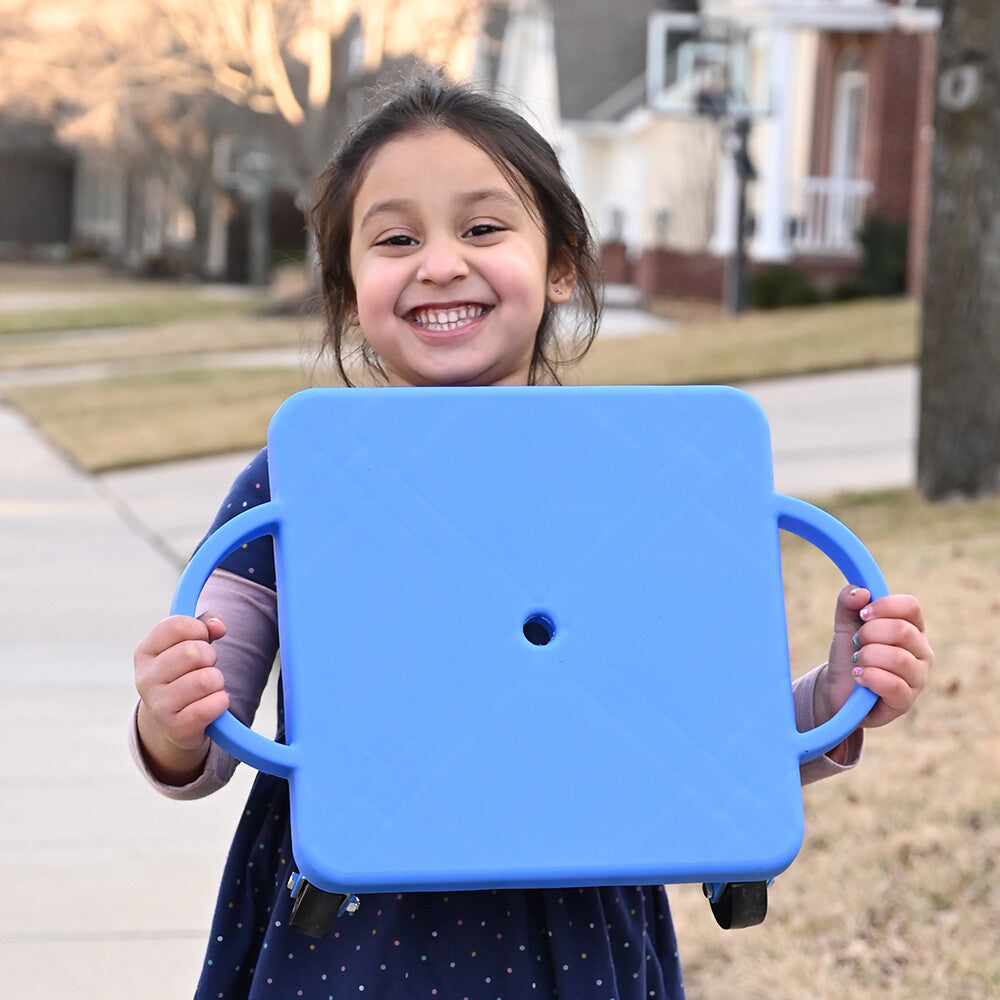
697	67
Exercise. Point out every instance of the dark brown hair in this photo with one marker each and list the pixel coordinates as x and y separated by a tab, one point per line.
525	158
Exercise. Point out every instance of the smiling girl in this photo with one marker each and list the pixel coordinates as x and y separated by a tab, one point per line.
450	265
450	242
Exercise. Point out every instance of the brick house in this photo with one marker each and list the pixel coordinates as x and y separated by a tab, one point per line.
839	94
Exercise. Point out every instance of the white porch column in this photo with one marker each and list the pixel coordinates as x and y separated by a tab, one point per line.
723	241
770	242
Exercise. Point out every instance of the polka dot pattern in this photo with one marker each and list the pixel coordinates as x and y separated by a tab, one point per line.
574	944
255	559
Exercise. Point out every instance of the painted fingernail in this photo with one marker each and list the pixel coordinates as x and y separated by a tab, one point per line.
856	641
854	591
864	613
854	659
856	671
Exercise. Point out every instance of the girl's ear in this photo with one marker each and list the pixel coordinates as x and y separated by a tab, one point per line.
562	280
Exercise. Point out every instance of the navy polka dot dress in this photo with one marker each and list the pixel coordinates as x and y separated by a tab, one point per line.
614	943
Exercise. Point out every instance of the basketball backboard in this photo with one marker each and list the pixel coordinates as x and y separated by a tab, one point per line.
697	66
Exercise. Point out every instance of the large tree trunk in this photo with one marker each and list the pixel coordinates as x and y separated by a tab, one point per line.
959	450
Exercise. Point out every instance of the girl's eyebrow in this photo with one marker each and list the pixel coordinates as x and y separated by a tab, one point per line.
381	207
469	198
489	194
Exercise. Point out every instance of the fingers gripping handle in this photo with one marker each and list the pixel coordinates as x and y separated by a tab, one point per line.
234	737
859	567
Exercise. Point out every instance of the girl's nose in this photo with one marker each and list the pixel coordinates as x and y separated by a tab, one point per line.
442	262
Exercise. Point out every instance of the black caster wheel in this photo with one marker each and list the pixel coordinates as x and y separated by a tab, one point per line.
740	904
314	911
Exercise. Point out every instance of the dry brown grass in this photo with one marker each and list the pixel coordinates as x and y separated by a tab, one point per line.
895	892
159	416
229	329
708	347
85	296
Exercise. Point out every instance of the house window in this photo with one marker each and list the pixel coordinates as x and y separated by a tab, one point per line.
849	109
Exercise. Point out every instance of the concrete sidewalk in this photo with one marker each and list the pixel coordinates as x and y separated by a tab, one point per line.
109	888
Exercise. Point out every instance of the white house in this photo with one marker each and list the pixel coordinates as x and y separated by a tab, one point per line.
838	94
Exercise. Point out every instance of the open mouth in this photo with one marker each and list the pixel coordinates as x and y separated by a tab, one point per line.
443	320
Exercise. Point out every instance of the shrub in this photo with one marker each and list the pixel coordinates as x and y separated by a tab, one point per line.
885	245
848	289
781	286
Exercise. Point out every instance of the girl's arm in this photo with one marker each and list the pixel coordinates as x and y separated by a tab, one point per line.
189	670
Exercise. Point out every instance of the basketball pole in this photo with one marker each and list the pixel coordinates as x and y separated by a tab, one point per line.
737	278
714	103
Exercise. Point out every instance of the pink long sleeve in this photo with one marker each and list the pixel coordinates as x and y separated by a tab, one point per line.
246	657
821	767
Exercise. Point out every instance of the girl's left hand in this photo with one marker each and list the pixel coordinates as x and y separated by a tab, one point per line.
880	645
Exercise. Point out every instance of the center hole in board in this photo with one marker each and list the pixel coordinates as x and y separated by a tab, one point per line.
539	629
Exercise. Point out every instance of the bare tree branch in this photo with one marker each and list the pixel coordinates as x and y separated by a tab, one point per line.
265	50
243	50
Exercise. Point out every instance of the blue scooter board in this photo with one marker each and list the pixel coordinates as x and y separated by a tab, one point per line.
533	637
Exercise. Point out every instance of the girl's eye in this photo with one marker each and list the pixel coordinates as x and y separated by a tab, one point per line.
397	240
484	229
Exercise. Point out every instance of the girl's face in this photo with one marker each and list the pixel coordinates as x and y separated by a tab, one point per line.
450	266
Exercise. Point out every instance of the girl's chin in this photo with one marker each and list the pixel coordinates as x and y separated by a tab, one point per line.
457	373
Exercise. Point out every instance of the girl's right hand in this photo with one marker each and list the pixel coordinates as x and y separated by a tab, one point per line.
181	692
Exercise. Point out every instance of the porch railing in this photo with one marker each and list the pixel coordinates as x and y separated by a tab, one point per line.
827	213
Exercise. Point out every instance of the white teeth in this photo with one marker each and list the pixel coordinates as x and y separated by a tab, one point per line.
447	319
